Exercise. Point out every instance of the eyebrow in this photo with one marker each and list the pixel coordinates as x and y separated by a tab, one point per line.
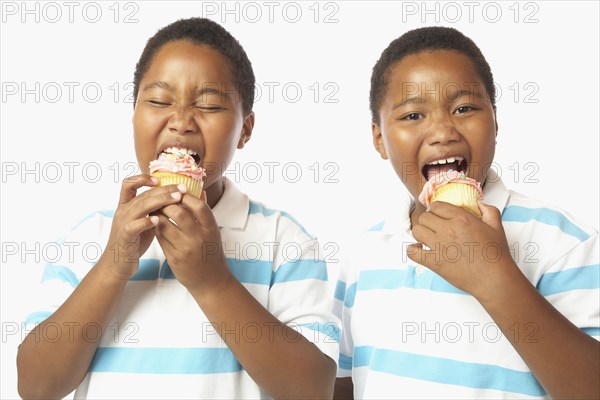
464	92
451	97
158	84
409	100
210	90
206	89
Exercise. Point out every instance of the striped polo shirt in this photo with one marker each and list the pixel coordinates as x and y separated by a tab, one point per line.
408	333
159	343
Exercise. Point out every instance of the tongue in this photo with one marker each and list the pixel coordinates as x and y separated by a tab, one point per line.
433	170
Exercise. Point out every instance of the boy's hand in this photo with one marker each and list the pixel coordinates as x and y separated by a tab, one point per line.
470	253
131	233
192	244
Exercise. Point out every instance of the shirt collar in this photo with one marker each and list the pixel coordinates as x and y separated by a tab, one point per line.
232	209
494	194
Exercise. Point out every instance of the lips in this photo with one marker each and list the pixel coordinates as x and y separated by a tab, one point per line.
443	164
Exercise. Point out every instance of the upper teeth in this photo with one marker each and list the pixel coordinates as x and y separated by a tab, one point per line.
446	160
180	150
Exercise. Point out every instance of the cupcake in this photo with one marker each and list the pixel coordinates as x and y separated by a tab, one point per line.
175	165
455	188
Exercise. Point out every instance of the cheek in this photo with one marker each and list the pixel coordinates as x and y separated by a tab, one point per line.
487	133
144	136
403	150
219	149
402	146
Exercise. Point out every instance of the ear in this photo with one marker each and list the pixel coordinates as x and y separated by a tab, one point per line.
496	121
378	141
246	130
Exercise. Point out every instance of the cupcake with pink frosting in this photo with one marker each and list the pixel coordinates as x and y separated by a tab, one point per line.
175	166
455	188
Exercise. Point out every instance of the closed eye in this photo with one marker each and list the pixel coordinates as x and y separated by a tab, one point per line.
208	108
158	103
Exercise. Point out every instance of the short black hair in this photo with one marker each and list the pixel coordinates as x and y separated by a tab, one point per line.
204	32
426	39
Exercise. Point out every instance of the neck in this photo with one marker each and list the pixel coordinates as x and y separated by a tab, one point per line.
215	191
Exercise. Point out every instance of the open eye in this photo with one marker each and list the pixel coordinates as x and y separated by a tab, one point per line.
464	109
412	117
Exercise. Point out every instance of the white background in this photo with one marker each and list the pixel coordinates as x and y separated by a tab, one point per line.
547	149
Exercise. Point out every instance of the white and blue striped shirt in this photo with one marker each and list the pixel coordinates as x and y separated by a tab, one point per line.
408	333
159	343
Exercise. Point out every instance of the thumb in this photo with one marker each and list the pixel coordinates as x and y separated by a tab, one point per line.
415	252
491	216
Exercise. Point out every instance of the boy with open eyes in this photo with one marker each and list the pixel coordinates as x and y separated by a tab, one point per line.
431	301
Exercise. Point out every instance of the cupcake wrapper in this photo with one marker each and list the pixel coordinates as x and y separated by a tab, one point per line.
459	194
194	187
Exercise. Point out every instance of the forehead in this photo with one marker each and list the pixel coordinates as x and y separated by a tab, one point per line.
428	71
183	60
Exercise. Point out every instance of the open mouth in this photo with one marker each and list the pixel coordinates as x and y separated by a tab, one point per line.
455	163
180	151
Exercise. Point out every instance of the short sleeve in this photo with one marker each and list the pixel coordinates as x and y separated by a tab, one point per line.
572	285
67	261
343	301
299	294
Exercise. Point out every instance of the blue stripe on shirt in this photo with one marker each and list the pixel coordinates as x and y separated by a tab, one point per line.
447	371
591	331
345	362
148	360
340	290
329	329
586	277
350	296
251	271
246	271
260	271
147	270
545	216
60	272
37	317
390	279
378	227
257	208
104	213
300	270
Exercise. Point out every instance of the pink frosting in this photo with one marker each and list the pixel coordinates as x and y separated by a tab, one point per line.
443	178
183	164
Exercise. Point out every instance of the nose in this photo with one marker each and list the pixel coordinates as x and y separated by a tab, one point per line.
442	131
182	121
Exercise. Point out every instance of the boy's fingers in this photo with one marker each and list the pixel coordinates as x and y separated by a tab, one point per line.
415	252
491	216
200	209
155	199
130	186
164	243
136	227
182	216
418	254
430	221
443	209
423	234
166	229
